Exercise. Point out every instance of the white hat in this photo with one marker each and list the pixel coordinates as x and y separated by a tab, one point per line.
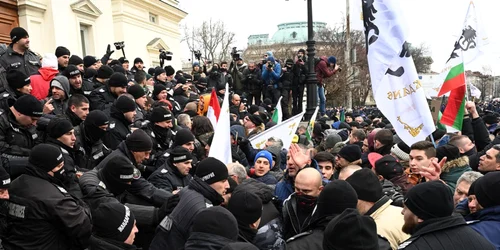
50	61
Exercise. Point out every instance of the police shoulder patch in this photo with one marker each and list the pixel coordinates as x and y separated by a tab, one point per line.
102	90
101	184
164	171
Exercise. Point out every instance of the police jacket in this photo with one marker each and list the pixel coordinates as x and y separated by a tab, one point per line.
168	178
43	215
101	98
141	191
86	89
16	142
445	233
174	229
98	243
118	129
27	62
93	151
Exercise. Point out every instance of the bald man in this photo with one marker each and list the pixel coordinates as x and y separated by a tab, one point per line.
298	208
348	171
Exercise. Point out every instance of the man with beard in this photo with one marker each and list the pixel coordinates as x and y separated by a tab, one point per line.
78	109
56	102
103	97
88	136
103	74
299	206
205	190
77	61
62	54
62	135
40	207
122	115
138	66
173	175
428	218
159	129
18	56
76	84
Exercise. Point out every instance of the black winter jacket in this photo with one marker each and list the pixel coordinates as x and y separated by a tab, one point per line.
118	129
92	152
252	80
101	98
168	178
445	233
206	241
43	215
98	243
29	63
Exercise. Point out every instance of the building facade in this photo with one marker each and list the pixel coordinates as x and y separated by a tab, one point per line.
86	27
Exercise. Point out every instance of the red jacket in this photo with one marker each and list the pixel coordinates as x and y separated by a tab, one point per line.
322	70
40	83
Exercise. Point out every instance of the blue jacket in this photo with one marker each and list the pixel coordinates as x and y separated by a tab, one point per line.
271	76
268	179
487	224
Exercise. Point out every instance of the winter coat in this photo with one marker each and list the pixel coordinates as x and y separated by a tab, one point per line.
168	178
270	236
85	90
92	152
141	192
311	238
452	170
265	193
28	62
291	219
16	142
252	79
60	105
43	215
487	223
268	179
445	233
101	98
389	221
237	75
322	70
271	78
98	243
118	129
402	182
173	231
206	241
40	83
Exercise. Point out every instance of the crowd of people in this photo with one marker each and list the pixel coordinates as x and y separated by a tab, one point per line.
95	155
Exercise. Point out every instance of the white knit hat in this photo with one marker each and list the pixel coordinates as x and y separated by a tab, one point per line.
50	61
398	152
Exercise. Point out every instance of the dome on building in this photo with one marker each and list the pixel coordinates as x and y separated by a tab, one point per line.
295	32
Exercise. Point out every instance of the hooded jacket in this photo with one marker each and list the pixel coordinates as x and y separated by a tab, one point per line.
60	106
487	223
271	77
452	170
40	83
322	70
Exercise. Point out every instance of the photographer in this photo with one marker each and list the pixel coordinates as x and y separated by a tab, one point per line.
324	68
252	80
271	73
285	85
299	79
237	67
219	77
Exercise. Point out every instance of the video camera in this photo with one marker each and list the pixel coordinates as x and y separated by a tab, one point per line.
270	65
119	45
165	55
197	55
235	53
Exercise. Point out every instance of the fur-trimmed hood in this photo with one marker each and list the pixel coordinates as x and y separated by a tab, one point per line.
461	162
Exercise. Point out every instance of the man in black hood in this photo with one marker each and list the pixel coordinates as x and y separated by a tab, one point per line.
122	115
89	136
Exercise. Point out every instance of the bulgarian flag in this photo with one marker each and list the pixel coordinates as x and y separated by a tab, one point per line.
213	109
278	113
453	114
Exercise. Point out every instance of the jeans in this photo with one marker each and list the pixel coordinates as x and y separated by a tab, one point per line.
322	100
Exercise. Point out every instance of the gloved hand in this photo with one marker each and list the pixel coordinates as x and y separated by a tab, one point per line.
109	51
168	206
242	141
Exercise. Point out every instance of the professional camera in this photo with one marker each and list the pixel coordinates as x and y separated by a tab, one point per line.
270	65
165	55
119	45
197	55
235	53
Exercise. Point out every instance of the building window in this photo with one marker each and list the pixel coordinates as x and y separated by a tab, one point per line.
153	18
84	38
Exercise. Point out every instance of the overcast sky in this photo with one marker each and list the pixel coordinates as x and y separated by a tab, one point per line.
436	23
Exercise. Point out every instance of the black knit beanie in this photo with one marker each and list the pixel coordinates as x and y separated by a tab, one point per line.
366	184
118	170
256	119
89	61
118	68
57	127
62	51
17	79
211	170
17	33
71	71
104	72
75	60
486	189
351	231
118	80
169	70
28	105
183	136
45	156
210	220
124	104
451	152
429	200
112	220
159	71
350	152
139	141
137	91
336	197
158	88
180	154
138	60
160	114
245	206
